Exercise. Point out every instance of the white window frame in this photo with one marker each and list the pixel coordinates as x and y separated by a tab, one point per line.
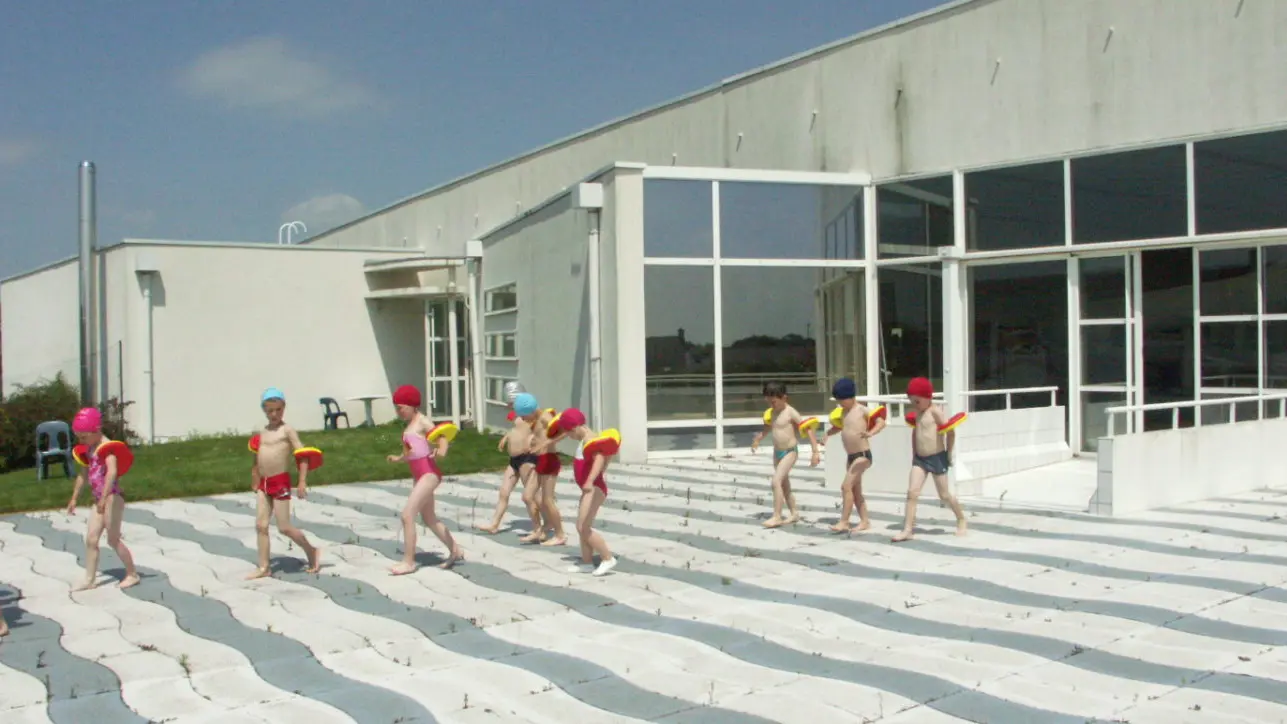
490	293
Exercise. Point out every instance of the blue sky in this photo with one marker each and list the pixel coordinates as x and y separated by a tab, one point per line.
217	121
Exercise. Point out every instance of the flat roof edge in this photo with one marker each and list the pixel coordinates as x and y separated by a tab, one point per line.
42	268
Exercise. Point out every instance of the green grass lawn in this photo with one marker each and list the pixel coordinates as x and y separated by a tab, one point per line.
222	465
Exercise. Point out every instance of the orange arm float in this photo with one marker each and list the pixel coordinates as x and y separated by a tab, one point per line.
606	444
837	417
879	412
124	456
80	454
807	424
910	418
253	445
553	430
310	455
952	423
443	429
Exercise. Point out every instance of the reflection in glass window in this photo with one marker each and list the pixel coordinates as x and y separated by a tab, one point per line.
1015	208
1275	354
1241	183
787	221
1228	282
1103	287
1166	278
914	217
1103	354
1274	279
769	333
1130	195
843	321
911	325
679	342
1229	355
681	438
1094	416
678	219
1025	344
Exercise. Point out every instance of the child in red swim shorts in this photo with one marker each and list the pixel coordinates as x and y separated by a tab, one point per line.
588	466
276	446
544	442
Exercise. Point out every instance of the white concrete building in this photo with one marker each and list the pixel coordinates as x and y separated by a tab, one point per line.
1081	199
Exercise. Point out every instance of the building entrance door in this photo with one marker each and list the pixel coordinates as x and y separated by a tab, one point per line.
1109	339
447	358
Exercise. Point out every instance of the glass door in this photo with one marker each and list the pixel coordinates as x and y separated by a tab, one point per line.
1108	331
440	338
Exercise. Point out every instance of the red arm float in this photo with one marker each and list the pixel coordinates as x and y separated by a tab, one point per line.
443	429
253	445
837	417
119	450
511	416
879	412
310	455
952	423
910	417
80	454
606	444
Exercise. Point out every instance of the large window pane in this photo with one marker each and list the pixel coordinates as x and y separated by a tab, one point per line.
1103	354
678	220
770	320
1016	208
1230	351
1020	345
1234	411
1094	417
681	439
911	325
679	308
1228	281
789	221
1103	287
1274	279
1276	355
843	321
1166	276
1130	195
1241	183
913	218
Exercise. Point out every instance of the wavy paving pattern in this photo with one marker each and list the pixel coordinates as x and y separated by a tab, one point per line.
1175	616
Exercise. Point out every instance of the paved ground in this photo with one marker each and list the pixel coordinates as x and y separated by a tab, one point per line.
1174	617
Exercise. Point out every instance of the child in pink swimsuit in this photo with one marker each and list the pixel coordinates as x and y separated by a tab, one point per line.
103	463
425	476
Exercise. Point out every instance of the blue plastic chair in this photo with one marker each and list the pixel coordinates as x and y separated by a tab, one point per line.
53	443
331	414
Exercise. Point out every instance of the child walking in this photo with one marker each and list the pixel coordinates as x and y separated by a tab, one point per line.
933	439
856	425
785	424
104	462
420	433
592	456
276	446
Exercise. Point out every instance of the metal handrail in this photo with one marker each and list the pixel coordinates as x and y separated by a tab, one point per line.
1175	408
1009	393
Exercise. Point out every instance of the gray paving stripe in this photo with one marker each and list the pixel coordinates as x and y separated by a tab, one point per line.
280	661
1175	550
588	682
977	588
79	690
814	477
1087	659
1259	590
939	694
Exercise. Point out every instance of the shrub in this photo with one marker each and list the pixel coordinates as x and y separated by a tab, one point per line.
56	399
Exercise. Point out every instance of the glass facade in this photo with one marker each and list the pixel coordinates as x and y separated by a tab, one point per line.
1095	275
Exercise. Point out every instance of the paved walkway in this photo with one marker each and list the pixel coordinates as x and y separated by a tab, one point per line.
1033	617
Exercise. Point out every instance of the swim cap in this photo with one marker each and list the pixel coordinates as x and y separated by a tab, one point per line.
272	393
571	418
407	395
920	387
513	388
88	420
844	389
524	404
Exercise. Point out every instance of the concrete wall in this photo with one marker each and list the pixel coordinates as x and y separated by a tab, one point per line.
1161	468
40	316
927	95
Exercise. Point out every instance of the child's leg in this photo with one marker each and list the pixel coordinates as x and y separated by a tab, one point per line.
4	625
550	512
439	528
781	488
263	513
591	541
507	487
281	511
532	500
945	494
860	501
915	481
789	497
115	514
92	536
421	492
846	503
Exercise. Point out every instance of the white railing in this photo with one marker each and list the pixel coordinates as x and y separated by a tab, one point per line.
1010	393
1175	408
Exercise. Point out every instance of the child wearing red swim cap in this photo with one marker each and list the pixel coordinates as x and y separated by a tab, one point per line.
591	460
425	478
933	441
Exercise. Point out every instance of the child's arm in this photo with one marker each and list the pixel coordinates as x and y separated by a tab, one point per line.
295	444
109	481
940	418
813	442
755	442
442	444
500	446
254	475
875	429
406	450
80	482
596	468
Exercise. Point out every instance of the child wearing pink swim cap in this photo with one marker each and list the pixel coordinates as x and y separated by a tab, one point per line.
103	462
588	465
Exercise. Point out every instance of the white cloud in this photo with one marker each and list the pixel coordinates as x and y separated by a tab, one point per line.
266	73
324	212
14	151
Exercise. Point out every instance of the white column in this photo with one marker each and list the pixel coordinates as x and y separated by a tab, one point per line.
430	362
871	291
1074	357
453	356
955	302
476	337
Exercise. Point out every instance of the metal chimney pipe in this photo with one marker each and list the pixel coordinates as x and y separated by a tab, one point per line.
88	242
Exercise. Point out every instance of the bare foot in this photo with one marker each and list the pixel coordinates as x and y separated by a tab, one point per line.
532	538
961	528
559	541
795	518
4	627
489	529
86	584
403	569
905	535
773	522
314	561
840	528
259	573
457	556
863	527
130	580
